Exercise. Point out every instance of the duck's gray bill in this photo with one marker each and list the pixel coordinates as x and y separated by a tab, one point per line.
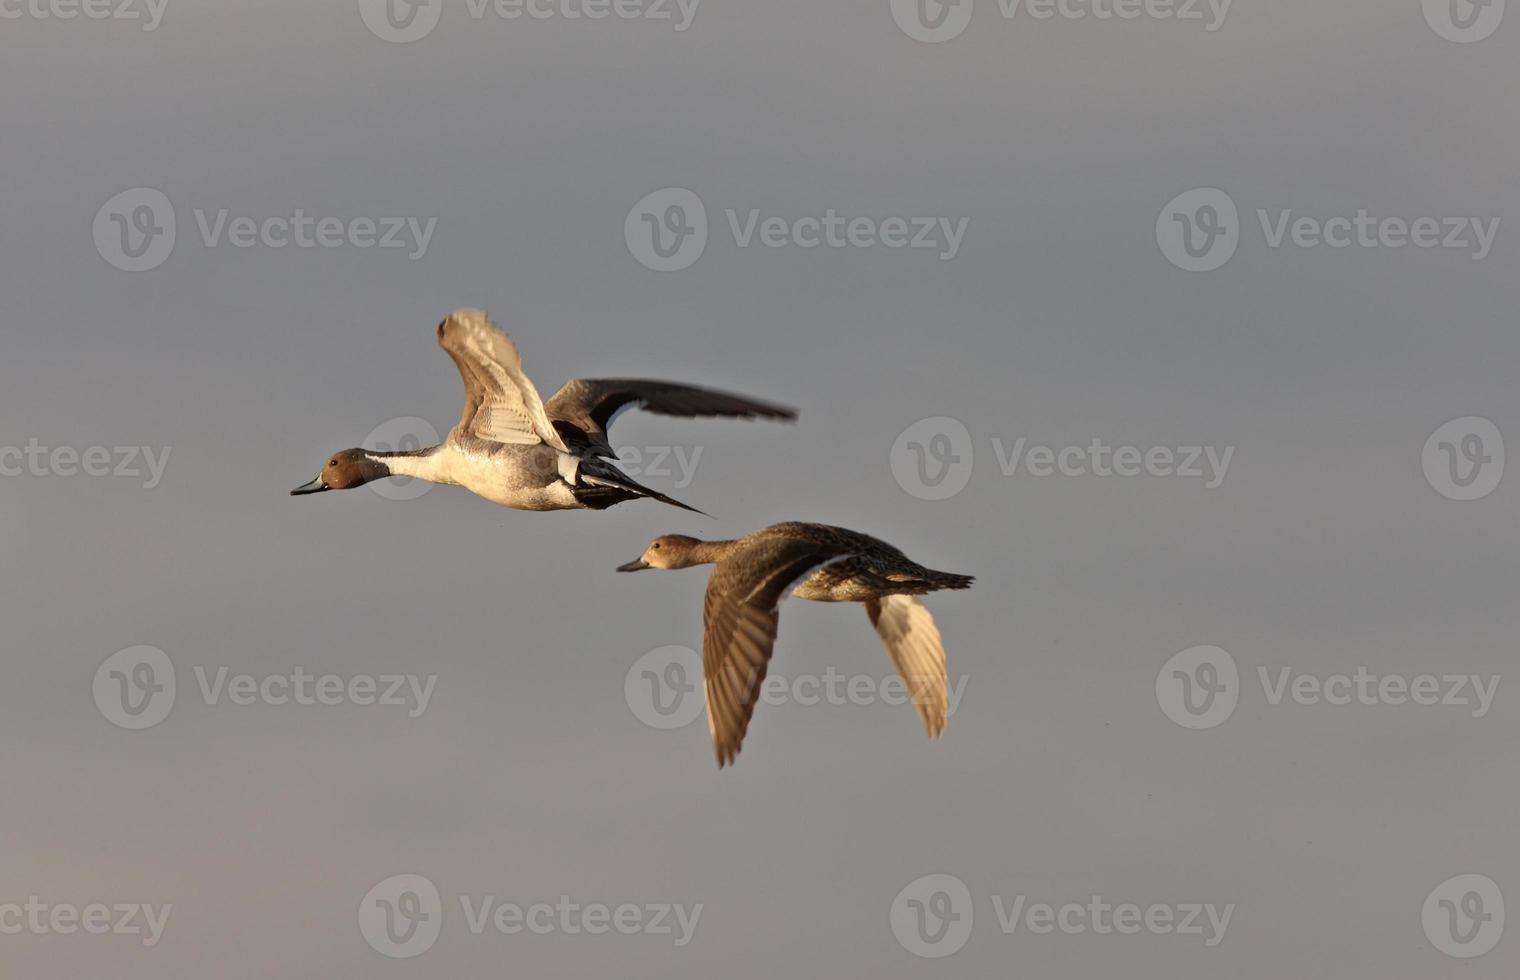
634	566
315	486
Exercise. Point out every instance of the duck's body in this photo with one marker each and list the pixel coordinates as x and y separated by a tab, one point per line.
514	449
751	576
520	477
866	568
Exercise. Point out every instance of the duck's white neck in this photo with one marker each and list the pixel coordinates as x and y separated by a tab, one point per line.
428	465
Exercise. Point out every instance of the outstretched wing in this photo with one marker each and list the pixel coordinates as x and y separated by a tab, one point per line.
913	642
739	617
500	403
592	404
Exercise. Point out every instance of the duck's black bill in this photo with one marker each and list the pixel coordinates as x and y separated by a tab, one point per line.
315	486
634	566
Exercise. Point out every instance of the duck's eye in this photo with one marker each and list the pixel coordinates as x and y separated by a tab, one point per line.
657	546
332	462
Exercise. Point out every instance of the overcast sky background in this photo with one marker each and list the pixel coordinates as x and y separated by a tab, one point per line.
1060	321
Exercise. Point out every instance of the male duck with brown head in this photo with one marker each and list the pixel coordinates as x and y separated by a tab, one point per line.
750	577
519	451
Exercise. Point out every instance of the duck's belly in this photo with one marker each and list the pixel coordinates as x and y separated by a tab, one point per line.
523	477
839	581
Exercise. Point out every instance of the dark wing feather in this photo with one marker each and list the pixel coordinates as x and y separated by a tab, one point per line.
740	615
591	404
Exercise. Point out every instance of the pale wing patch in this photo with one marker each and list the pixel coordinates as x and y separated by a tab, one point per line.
913	642
501	403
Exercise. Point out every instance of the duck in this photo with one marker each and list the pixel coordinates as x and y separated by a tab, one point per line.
750	577
517	450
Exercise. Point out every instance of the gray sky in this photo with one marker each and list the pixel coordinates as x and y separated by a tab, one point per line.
523	144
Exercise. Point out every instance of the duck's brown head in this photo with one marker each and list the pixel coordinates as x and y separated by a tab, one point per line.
344	471
668	551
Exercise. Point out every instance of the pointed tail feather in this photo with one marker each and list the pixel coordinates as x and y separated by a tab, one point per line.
929	580
605	475
950	580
